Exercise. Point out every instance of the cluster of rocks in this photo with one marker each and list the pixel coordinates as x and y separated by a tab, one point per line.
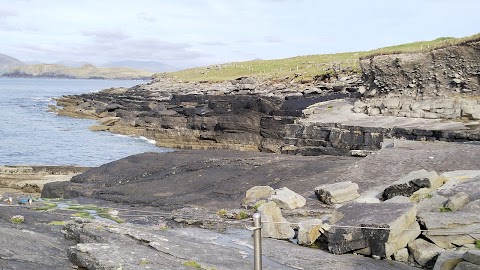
430	108
31	179
166	88
421	219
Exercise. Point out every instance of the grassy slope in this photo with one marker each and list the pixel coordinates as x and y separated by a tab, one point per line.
84	72
307	66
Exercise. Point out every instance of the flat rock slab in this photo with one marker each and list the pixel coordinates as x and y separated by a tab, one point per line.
390	164
33	244
211	179
173	248
394	217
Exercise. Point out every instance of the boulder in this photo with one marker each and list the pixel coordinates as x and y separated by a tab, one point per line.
467	266
424	253
257	193
448	260
396	225
472	256
271	214
337	193
420	194
309	231
401	255
287	199
460	175
412	182
470	186
108	121
431	204
458	201
450	229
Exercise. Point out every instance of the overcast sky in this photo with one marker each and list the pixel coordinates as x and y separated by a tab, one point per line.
187	33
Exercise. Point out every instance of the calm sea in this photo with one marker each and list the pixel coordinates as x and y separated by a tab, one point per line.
29	134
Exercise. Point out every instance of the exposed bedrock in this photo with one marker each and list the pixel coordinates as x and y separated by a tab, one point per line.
211	179
443	83
418	96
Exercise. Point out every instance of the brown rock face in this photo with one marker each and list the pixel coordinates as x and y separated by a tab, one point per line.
440	72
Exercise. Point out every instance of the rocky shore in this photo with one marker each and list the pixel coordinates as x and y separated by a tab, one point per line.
411	202
422	96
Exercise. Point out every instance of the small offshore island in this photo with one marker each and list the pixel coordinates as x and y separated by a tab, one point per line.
367	161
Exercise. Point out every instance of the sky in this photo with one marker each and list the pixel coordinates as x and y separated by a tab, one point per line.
189	33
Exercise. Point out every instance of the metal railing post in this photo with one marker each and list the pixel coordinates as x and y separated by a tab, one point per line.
257	241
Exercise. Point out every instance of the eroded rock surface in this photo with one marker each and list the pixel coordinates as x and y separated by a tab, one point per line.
211	179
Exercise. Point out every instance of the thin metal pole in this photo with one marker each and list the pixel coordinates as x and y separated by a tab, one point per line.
257	241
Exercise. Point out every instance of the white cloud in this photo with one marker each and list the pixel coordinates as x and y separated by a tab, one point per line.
188	33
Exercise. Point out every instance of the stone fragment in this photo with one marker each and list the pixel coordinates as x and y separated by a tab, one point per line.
108	121
401	255
419	195
467	266
256	193
396	225
337	193
450	229
472	256
287	199
448	260
431	204
309	231
274	224
460	175
412	182
458	201
424	253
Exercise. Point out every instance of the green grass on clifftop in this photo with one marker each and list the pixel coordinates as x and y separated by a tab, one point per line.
303	68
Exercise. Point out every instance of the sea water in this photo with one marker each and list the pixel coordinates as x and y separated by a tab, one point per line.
31	134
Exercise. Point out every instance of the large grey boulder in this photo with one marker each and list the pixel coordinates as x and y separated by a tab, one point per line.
412	182
467	266
337	193
287	199
448	260
309	231
458	201
472	256
256	193
274	225
424	253
396	223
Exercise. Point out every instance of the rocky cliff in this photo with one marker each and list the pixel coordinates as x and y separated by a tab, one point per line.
243	114
441	83
417	96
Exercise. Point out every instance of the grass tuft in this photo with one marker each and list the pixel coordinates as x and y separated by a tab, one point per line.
192	264
57	223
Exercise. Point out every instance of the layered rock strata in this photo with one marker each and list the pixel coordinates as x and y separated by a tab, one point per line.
443	83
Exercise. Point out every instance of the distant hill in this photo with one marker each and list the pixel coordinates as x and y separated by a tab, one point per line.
143	65
68	63
86	71
8	62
